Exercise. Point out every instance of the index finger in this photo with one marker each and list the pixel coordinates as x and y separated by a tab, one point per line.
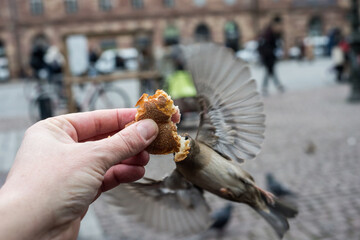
91	124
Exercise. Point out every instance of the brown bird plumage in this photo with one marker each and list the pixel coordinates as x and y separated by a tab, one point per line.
231	131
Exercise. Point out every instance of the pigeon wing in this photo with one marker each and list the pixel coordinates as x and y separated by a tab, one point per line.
231	121
172	205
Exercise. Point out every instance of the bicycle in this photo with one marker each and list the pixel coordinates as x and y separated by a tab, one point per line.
46	103
101	96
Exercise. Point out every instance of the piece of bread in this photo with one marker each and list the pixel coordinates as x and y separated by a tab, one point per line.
161	109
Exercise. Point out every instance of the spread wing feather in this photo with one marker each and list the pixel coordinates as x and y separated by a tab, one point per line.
232	122
172	205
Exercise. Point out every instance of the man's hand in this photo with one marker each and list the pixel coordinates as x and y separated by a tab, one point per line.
63	165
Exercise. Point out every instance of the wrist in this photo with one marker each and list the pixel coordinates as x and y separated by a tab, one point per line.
21	216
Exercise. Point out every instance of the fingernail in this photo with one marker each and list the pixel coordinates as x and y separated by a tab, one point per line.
147	128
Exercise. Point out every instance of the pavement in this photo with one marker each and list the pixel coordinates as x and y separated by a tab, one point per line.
312	146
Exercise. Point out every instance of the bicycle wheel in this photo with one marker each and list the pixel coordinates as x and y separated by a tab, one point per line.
109	98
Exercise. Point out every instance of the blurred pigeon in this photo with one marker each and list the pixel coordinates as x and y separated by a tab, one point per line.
222	217
276	187
231	131
310	148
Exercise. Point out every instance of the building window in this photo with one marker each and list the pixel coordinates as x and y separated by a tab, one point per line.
230	2
199	3
169	3
107	44
105	5
315	26
202	33
137	4
36	7
312	3
171	35
71	6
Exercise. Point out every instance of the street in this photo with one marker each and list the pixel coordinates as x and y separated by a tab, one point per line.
312	146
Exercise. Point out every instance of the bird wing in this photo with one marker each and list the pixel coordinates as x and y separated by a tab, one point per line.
231	121
172	205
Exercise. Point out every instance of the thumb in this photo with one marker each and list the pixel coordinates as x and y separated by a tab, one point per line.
126	143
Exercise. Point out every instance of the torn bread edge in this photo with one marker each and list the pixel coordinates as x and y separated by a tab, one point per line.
184	148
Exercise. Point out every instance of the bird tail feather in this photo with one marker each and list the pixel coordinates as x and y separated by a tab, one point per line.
276	215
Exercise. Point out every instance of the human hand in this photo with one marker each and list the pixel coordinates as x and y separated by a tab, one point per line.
64	163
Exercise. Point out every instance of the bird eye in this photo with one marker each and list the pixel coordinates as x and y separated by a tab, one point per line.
186	137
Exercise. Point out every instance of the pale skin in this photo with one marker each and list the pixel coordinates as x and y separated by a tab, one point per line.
64	164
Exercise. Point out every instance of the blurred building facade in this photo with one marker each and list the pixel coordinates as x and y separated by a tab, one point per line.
233	22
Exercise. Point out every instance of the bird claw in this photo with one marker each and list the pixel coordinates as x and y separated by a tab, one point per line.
227	192
270	198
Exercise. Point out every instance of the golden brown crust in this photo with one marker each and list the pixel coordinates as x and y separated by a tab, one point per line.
160	108
167	140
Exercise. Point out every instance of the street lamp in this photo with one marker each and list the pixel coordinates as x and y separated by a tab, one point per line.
355	53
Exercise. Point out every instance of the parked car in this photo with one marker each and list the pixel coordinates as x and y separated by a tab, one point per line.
4	69
113	59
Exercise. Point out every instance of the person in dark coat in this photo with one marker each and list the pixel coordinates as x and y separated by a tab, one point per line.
268	44
37	62
93	57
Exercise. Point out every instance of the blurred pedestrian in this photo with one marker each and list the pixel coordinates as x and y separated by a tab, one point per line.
54	64
338	59
93	57
268	44
345	47
301	46
54	60
119	62
333	37
309	52
182	89
37	61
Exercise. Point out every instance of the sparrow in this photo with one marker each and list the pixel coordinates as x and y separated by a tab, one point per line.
275	187
230	132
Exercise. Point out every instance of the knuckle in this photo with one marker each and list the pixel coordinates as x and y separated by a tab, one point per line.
94	150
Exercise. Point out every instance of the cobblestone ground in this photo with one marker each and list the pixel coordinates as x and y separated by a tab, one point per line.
325	178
